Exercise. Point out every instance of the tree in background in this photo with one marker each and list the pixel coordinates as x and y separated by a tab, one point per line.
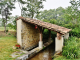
30	8
51	14
27	7
12	22
22	6
5	7
0	22
68	17
33	7
72	15
75	5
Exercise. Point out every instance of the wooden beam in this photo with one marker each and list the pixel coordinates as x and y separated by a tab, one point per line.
59	36
49	34
40	31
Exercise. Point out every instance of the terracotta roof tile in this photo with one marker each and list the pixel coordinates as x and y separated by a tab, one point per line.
47	25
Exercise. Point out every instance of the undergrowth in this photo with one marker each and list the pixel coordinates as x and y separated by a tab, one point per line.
71	48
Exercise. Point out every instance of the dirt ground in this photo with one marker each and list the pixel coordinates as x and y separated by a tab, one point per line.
9	33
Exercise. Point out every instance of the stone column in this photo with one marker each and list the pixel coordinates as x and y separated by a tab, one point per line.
19	23
40	42
58	43
66	36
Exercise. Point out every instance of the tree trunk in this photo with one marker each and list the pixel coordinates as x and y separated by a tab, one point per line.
4	26
32	14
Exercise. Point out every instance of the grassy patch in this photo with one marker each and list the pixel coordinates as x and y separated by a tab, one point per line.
2	29
60	58
8	34
63	58
6	44
71	48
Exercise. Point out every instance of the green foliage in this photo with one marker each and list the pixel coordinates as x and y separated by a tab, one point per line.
53	21
5	7
30	8
53	35
71	48
12	22
43	47
45	34
75	32
7	4
22	2
9	29
61	58
6	30
6	44
9	34
51	14
12	26
33	8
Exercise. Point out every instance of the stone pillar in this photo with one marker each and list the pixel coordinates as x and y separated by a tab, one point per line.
40	42
66	36
19	23
58	43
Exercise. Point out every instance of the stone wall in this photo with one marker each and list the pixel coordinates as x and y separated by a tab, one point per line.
29	35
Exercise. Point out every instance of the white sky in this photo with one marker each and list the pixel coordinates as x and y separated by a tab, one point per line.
49	4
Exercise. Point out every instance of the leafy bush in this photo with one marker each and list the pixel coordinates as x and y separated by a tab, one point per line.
53	35
71	48
75	32
9	34
46	34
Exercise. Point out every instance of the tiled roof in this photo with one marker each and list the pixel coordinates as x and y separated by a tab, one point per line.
46	25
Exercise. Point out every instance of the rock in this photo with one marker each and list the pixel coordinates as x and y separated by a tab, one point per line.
58	53
23	51
16	54
14	47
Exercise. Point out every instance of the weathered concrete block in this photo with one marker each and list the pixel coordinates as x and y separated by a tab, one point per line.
40	44
19	22
66	36
58	44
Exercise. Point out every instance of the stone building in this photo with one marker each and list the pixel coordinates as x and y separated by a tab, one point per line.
30	31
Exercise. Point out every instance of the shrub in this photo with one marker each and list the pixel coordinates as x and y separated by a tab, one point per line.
46	34
75	32
6	30
9	34
71	48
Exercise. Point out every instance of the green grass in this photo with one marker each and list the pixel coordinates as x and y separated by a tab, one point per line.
2	29
6	47
60	58
63	58
71	48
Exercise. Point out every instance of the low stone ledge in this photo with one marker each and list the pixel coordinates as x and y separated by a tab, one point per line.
33	52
